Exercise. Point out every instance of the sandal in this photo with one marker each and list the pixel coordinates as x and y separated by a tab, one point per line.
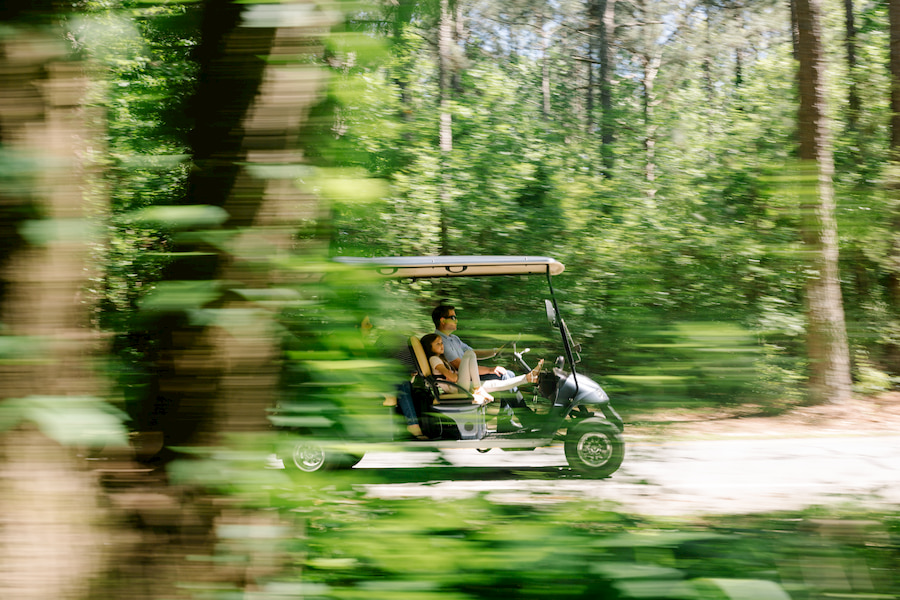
532	377
416	432
481	396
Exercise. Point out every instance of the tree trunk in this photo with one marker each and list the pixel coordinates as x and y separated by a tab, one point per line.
826	334
458	41
795	36
593	31
216	380
707	56
651	65
575	73
893	260
894	15
53	537
850	46
445	78
607	68
545	68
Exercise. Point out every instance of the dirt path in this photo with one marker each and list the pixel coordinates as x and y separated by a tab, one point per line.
867	415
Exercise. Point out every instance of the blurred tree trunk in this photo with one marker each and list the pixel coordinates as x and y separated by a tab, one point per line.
826	335
546	109
217	374
445	89
401	15
445	75
795	35
577	74
593	35
647	46
189	367
893	260
894	16
52	541
214	378
850	48
607	68
247	112
650	62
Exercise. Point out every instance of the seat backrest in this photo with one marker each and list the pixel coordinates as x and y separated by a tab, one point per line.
418	353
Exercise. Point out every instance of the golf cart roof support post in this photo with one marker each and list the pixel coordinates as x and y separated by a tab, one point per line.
562	330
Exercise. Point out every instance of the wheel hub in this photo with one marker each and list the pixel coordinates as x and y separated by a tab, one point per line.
594	449
308	457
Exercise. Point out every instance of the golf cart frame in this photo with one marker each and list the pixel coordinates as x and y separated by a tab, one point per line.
575	409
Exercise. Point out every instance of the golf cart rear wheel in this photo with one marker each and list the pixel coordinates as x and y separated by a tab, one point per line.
594	447
309	457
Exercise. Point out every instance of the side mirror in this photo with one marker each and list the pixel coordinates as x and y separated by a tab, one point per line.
551	313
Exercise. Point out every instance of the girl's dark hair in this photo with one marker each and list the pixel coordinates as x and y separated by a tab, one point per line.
426	342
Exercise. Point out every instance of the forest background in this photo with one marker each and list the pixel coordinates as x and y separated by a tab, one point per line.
716	176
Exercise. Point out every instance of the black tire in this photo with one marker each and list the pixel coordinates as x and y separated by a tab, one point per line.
594	447
348	461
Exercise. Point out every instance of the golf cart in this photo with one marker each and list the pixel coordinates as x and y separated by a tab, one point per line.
563	406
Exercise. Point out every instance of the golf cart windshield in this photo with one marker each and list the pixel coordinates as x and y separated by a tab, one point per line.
557	322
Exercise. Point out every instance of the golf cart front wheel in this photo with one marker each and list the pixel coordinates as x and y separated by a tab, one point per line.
594	447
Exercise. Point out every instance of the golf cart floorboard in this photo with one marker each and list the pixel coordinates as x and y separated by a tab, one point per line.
524	439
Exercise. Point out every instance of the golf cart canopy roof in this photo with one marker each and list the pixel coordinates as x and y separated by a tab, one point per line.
456	266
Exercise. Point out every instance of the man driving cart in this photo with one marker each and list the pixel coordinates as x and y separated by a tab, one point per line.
446	323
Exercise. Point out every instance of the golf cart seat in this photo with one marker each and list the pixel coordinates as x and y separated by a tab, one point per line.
459	396
457	406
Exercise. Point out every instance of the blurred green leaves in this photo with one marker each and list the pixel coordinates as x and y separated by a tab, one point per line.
173	296
359	546
69	420
44	231
345	186
23	349
180	217
741	589
366	47
692	294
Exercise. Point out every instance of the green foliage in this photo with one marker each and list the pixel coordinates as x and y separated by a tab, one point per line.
71	421
180	217
339	541
144	75
685	287
335	376
714	236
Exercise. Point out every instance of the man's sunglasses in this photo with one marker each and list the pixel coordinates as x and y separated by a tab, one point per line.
451	317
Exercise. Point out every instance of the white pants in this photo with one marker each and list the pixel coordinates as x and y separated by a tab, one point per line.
468	377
